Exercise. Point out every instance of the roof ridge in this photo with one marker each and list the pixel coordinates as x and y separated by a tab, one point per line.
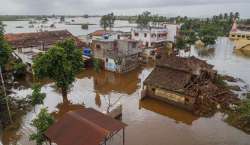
94	125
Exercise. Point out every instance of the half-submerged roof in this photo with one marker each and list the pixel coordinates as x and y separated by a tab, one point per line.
83	127
24	40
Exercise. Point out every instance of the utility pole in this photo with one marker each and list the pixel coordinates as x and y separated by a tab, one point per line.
5	95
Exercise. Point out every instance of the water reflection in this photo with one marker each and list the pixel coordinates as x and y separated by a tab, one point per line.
180	116
106	82
98	101
206	52
244	54
65	107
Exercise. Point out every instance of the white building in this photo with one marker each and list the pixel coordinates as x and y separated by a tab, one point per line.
108	35
150	37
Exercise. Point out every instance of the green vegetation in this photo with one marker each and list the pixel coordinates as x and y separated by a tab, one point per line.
240	117
19	69
43	121
180	43
143	20
36	97
107	21
206	30
5	50
85	26
5	54
97	65
60	64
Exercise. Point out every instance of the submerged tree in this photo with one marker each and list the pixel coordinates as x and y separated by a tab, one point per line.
60	64
180	43
5	54
107	21
36	97
97	65
43	121
5	50
144	19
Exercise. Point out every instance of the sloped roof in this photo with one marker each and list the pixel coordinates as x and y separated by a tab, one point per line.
169	79
190	64
83	127
24	40
100	32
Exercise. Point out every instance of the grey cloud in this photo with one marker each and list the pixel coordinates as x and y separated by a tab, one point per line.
91	6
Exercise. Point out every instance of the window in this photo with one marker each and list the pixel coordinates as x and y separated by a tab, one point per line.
136	34
145	35
153	90
133	44
239	36
248	37
98	46
118	37
115	45
233	35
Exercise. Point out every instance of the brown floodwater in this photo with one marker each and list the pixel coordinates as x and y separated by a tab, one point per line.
150	122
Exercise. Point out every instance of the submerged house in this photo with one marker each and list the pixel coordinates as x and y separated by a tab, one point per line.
181	81
117	55
28	45
241	37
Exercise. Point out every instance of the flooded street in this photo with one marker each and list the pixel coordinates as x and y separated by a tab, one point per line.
150	122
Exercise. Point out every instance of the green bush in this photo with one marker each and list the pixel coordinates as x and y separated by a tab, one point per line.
43	121
19	69
36	97
240	117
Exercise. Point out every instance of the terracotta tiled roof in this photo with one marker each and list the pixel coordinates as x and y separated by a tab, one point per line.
24	40
169	79
190	65
100	33
83	127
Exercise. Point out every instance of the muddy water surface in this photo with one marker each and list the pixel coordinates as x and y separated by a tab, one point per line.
150	122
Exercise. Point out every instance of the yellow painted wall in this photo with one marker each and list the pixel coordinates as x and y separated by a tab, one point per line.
170	96
241	43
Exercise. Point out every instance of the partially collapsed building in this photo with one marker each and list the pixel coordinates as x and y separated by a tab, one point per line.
183	82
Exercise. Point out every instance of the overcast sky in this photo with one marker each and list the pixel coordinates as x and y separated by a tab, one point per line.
93	6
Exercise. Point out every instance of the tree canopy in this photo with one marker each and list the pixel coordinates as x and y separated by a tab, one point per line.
5	50
143	20
107	21
43	121
61	64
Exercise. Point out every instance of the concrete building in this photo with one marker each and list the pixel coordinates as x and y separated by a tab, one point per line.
241	37
117	55
108	35
153	37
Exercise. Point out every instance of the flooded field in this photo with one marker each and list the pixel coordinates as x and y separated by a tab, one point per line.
150	122
74	29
